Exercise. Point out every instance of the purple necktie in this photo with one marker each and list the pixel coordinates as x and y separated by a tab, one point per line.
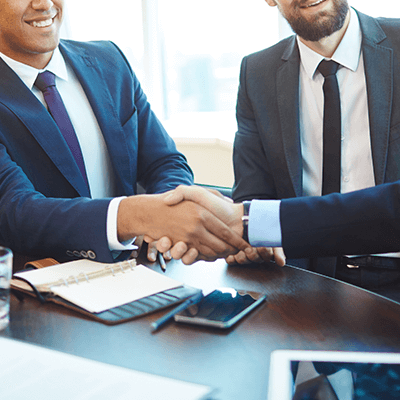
46	83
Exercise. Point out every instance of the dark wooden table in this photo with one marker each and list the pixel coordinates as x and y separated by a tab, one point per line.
303	311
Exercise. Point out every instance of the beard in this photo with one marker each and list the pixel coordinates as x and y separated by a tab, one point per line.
321	25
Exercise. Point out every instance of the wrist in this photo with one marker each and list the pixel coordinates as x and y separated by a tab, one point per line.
236	225
131	217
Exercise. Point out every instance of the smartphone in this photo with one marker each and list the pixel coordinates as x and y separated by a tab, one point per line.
222	308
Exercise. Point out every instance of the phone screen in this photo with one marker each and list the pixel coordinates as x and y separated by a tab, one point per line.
221	308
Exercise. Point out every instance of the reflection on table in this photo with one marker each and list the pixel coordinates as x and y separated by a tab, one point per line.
303	310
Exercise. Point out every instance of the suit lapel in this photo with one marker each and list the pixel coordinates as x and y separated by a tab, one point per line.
90	75
379	77
24	104
288	105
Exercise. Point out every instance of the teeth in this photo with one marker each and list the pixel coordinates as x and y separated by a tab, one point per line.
316	3
42	24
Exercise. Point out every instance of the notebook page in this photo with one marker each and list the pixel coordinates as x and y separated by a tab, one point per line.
42	276
111	291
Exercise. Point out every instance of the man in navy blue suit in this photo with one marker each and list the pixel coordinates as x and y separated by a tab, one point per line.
48	206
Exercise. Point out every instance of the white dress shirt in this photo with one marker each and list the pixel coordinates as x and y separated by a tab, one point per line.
94	150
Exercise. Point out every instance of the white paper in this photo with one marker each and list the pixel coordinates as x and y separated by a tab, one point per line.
36	373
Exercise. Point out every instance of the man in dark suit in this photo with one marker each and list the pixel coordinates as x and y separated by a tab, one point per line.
52	204
278	146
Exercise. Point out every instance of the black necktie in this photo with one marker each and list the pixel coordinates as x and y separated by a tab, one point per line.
332	128
46	83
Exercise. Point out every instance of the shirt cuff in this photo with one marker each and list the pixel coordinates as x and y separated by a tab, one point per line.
264	223
112	236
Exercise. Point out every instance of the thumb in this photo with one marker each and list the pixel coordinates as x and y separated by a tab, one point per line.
174	197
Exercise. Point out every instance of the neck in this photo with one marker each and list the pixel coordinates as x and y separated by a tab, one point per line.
38	61
328	45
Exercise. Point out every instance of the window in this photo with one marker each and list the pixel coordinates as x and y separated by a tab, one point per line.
187	57
187	54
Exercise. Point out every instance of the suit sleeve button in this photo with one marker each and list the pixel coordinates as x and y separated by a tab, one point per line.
84	254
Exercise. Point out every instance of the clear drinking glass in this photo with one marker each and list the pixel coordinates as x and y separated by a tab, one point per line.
6	258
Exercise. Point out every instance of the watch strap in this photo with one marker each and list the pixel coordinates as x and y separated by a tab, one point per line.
245	220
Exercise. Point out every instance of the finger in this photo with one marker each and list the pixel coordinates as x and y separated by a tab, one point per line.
178	250
279	256
167	255
220	195
175	196
196	194
254	255
190	257
164	244
152	251
266	253
241	258
224	234
230	260
148	239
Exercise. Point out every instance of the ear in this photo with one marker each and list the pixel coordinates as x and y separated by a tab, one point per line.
271	3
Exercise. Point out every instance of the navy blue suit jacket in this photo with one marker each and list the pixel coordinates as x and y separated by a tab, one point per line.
45	207
361	222
267	152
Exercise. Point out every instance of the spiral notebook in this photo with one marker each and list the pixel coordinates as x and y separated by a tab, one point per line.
110	293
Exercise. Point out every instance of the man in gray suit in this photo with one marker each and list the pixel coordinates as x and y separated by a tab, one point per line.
278	146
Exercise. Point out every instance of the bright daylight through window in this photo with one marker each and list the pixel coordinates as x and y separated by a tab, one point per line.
187	54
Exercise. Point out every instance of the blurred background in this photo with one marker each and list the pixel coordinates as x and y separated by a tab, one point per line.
187	56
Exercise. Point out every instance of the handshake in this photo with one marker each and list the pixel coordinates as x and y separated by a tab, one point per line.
193	224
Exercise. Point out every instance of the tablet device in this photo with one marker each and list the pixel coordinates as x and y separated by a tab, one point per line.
374	376
222	308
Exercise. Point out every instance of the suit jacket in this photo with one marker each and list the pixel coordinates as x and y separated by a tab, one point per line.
267	153
46	210
361	222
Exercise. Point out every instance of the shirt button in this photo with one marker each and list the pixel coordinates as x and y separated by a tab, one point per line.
346	179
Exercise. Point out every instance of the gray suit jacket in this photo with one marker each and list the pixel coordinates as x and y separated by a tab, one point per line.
267	153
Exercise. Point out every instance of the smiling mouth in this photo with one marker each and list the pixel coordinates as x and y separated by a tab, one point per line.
43	23
313	4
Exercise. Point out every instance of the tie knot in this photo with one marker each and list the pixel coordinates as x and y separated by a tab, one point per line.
45	80
328	67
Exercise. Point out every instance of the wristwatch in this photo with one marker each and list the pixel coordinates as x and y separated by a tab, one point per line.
245	220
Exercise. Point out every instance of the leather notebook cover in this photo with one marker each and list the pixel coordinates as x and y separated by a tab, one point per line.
175	293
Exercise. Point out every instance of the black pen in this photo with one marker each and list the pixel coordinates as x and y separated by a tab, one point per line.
167	317
161	260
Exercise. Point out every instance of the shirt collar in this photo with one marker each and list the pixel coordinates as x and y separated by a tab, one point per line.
29	74
347	54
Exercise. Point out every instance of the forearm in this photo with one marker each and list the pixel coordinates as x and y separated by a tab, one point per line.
42	227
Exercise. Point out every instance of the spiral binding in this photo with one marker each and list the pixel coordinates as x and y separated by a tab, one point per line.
113	269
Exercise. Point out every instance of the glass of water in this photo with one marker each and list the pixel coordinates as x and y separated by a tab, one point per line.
6	258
